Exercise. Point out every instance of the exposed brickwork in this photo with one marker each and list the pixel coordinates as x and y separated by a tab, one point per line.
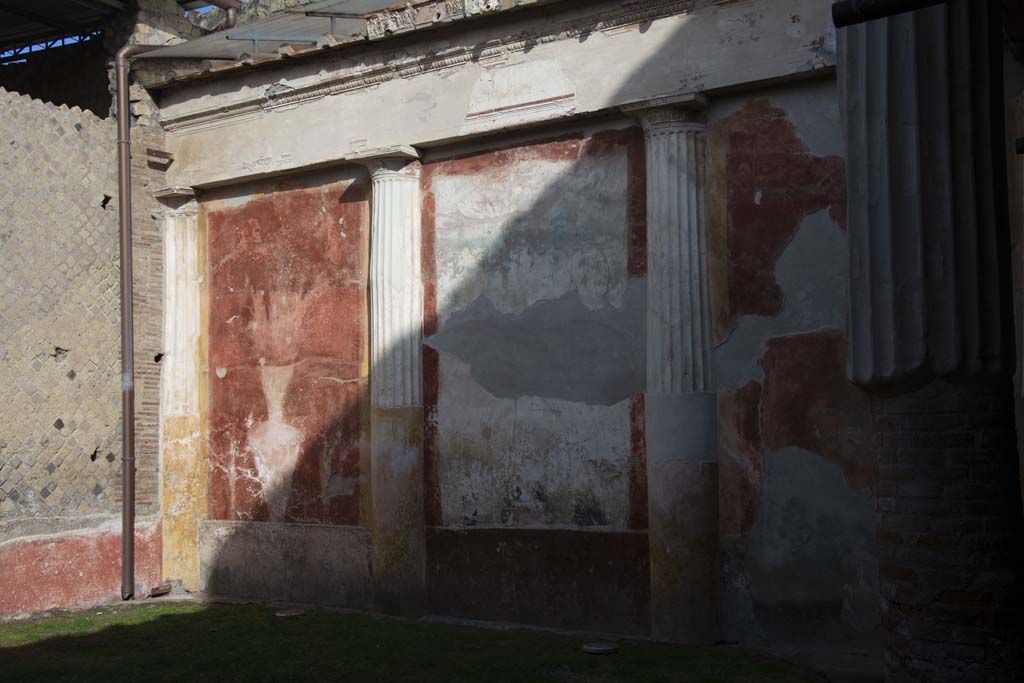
949	533
148	274
60	355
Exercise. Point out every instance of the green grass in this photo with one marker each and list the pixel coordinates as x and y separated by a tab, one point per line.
195	642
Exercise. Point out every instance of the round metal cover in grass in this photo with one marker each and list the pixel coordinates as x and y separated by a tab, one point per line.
601	648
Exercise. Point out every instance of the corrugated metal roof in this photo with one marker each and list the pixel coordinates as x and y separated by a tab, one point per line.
24	22
300	26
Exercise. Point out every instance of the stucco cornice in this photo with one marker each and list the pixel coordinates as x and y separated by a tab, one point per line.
340	82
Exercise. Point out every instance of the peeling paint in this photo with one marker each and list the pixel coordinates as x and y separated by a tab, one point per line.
809	403
799	567
765	158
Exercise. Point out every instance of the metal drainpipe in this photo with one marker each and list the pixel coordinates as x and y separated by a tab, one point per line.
124	200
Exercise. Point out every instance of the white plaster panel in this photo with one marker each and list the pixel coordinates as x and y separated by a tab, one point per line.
529	461
532	230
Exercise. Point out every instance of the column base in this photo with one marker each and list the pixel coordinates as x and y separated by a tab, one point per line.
399	544
682	476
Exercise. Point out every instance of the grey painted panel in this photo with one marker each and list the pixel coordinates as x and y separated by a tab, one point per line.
304	563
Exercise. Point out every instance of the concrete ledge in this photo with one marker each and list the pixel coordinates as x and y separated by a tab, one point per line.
303	563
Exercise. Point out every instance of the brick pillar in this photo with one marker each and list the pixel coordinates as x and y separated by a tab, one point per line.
949	531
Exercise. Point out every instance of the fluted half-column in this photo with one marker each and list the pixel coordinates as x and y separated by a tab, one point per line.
182	469
396	291
929	248
681	411
396	414
678	304
179	390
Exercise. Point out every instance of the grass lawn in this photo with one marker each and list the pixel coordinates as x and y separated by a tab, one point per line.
196	642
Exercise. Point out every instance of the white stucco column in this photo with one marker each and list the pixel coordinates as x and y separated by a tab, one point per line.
678	298
181	466
681	411
179	391
396	387
396	289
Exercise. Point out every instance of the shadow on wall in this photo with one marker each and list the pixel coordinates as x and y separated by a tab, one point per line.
533	485
288	368
531	370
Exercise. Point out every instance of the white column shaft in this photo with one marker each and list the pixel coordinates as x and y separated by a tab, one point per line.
678	301
179	391
396	294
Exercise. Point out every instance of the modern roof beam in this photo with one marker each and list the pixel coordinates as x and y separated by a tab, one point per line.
19	11
94	4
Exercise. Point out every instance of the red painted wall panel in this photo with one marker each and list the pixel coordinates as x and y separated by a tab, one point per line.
288	349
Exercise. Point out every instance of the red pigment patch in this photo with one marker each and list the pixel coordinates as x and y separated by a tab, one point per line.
432	512
74	570
809	403
741	467
563	148
638	511
428	261
637	190
773	182
288	337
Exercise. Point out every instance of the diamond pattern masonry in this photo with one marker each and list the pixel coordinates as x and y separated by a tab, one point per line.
59	311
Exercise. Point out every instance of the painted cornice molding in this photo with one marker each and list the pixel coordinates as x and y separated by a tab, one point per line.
409	67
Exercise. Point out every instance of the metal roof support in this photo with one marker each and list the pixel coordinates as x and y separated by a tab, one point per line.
19	11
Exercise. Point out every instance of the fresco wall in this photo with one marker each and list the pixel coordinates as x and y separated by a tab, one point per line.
288	351
534	370
799	557
534	454
288	381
